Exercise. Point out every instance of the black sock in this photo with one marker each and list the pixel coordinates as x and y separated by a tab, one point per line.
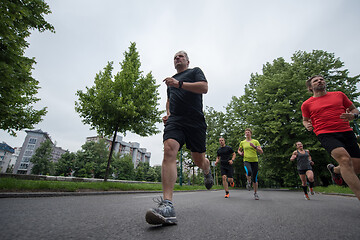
305	189
227	192
311	184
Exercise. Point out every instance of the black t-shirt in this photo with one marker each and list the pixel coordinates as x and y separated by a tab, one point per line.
225	154
184	105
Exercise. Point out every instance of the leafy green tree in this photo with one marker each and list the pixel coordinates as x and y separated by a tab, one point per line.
141	172
91	161
123	167
41	160
157	170
65	164
124	102
151	175
271	106
17	87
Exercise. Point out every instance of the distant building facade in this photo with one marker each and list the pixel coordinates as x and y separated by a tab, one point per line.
32	141
6	153
131	148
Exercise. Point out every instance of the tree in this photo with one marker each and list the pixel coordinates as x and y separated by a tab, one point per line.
141	171
91	161
157	170
123	167
65	164
271	106
41	160
124	102
17	87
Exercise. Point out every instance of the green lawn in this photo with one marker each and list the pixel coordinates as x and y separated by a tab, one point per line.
12	184
334	189
17	185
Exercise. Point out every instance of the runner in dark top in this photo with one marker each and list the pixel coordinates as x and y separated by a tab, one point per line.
184	123
226	156
304	168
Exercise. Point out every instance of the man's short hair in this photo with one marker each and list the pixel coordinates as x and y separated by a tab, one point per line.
248	129
308	82
185	54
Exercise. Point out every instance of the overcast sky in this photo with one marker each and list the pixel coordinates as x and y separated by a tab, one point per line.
228	39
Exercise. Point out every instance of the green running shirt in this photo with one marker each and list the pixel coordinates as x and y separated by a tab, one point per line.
250	154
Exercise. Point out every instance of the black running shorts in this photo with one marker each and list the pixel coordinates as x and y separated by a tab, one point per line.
194	137
227	170
303	171
347	140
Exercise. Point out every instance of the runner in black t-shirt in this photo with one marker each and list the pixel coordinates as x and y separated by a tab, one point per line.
226	156
184	123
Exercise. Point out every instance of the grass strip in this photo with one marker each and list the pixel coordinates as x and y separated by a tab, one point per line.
12	184
334	189
16	185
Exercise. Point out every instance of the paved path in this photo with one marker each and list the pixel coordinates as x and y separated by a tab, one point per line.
201	215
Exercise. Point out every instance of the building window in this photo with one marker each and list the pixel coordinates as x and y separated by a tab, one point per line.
32	140
28	153
25	159
23	166
30	146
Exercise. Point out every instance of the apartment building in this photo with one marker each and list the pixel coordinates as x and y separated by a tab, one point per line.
6	153
121	147
32	141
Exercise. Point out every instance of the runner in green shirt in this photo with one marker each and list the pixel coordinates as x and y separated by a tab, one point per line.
249	149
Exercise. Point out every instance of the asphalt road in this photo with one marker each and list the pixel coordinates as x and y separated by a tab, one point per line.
201	215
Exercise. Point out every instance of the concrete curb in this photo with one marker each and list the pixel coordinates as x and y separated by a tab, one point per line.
62	194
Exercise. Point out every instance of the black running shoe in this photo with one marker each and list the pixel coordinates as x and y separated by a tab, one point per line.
163	214
208	180
335	177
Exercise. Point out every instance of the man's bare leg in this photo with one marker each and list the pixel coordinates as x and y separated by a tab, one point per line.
168	168
347	169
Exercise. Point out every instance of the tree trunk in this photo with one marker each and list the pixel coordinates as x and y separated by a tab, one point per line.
110	154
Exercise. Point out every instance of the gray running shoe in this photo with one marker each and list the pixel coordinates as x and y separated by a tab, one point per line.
163	214
208	180
256	196
248	185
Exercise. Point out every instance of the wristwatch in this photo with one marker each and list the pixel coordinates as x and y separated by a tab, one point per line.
180	84
356	116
